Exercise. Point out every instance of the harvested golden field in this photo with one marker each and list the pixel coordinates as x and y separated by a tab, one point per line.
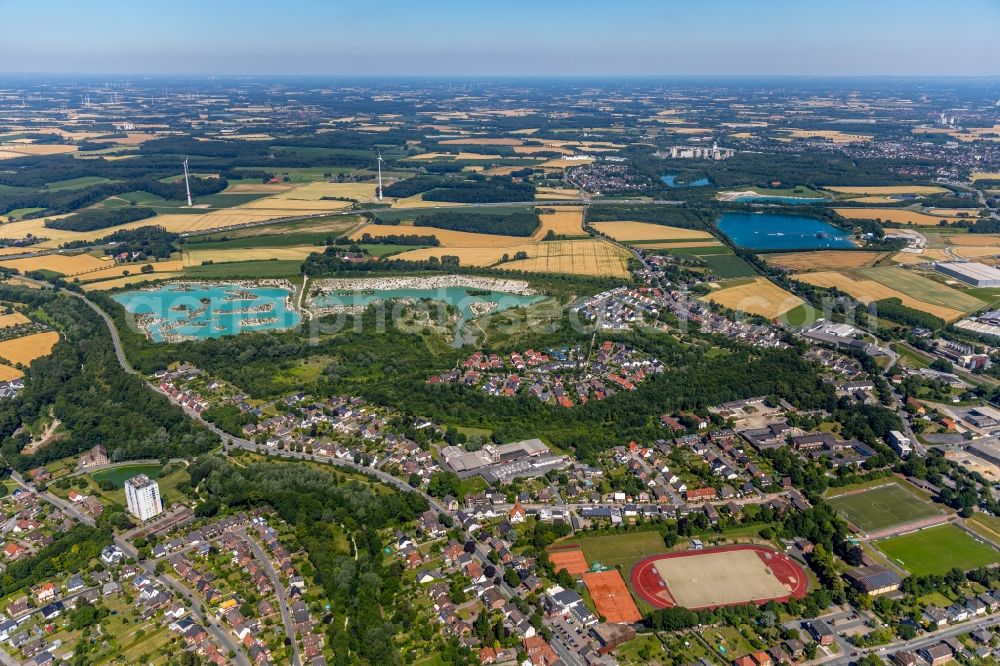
11	151
26	349
564	221
953	212
758	296
105	285
8	373
549	193
976	251
985	175
12	319
448	238
472	256
836	136
912	258
645	231
884	190
454	156
564	163
67	264
898	215
582	257
316	191
532	150
295	252
481	141
169	266
134	139
292	207
823	260
866	291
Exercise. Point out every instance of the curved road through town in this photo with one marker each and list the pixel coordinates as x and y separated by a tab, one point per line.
239	441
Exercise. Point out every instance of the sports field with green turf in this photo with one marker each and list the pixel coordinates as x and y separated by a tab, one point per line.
620	549
881	507
937	550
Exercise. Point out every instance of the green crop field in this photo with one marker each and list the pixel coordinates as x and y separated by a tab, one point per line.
620	549
937	550
246	269
881	507
921	288
728	266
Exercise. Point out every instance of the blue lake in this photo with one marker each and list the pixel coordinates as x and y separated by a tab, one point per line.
670	180
456	296
191	310
770	231
770	198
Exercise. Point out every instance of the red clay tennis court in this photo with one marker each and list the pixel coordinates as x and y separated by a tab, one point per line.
570	559
716	577
611	596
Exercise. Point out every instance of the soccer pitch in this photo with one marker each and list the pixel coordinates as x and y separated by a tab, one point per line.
881	507
937	550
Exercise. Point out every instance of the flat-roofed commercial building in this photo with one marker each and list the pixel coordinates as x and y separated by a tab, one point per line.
970	272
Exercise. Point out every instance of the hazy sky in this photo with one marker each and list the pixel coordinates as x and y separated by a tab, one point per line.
502	37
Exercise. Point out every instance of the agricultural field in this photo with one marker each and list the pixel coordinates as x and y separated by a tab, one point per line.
822	260
922	288
26	349
643	232
197	256
111	272
12	319
887	190
757	296
877	508
866	290
64	264
550	193
897	215
581	257
563	221
836	136
116	283
937	550
8	373
984	175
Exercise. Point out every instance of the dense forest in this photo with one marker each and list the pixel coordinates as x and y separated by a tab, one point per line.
411	186
521	223
315	503
894	310
100	218
150	241
86	389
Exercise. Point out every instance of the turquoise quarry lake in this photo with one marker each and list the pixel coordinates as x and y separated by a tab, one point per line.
459	297
670	180
197	311
770	198
770	231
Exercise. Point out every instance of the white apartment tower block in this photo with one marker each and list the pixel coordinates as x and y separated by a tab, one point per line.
142	495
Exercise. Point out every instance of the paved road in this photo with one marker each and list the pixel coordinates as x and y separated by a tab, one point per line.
279	591
239	441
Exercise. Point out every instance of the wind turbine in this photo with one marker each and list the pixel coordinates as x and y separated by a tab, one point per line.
187	185
380	160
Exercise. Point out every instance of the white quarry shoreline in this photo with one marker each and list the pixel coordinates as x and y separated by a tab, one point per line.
519	287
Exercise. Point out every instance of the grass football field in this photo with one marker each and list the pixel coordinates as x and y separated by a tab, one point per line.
882	507
937	550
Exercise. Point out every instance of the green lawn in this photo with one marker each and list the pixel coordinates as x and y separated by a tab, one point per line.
19	213
797	191
937	550
881	507
620	549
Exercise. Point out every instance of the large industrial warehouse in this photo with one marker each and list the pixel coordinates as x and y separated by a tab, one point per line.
979	275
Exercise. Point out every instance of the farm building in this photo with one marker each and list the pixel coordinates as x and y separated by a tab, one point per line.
874	580
974	273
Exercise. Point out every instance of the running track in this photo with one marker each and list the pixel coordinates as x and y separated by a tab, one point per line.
649	586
